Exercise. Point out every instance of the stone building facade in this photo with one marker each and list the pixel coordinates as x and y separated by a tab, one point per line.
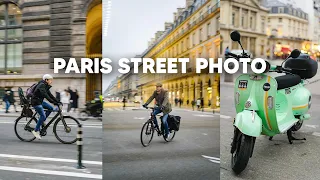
37	31
248	17
193	34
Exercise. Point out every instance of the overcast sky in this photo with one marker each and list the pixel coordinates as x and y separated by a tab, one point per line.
132	25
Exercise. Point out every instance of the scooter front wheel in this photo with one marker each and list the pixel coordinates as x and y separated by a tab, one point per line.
243	151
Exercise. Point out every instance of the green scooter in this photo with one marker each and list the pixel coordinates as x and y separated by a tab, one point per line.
269	106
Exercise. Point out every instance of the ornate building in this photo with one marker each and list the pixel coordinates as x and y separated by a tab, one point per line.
34	32
194	33
248	17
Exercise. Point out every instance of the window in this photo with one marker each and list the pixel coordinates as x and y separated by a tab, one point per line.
200	35
10	39
182	46
188	43
280	20
208	30
233	18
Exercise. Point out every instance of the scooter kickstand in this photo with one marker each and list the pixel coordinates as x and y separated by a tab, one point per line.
270	138
291	138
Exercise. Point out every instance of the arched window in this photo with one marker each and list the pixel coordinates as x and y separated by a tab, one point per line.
10	39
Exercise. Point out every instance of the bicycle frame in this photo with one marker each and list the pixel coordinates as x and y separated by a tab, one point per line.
51	121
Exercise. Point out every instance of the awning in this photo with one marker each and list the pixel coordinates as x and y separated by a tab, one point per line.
285	50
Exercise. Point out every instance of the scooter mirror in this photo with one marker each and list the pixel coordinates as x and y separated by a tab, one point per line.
295	53
235	36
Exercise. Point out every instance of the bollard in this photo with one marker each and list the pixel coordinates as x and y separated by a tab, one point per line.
79	144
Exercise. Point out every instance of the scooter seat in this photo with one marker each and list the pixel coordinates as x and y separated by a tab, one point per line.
287	80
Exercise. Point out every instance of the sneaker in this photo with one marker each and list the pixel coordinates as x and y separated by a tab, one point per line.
168	136
36	134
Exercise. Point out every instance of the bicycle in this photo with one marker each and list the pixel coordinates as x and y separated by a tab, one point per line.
30	123
149	127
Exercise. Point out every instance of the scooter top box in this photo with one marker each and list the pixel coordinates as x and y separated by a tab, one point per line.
303	66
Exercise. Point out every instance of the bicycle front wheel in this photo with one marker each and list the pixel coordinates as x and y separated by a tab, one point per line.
23	128
65	130
147	132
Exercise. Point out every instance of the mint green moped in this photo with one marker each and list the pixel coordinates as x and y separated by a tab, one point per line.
269	106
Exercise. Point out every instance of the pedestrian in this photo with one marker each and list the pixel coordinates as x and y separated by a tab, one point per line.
70	94
188	102
12	100
180	102
65	100
202	104
6	100
193	103
42	91
226	52
198	103
75	100
176	101
209	103
58	95
124	102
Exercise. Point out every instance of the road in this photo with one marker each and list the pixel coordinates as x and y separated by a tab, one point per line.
275	159
48	159
125	158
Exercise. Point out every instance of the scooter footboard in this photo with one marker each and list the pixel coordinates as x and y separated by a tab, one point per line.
249	123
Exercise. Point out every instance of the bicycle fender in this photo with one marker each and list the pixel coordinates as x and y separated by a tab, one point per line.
249	123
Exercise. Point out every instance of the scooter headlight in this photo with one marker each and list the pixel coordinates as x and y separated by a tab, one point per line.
237	98
270	102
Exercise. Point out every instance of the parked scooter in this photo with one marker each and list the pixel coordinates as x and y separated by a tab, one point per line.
93	108
269	106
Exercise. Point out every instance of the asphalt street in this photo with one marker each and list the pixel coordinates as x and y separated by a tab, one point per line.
48	158
275	159
189	156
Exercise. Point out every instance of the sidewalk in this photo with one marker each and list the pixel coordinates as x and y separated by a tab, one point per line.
187	108
12	112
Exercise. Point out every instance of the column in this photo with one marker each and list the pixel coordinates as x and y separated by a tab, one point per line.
205	90
240	17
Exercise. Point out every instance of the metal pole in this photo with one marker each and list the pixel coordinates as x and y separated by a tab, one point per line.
79	144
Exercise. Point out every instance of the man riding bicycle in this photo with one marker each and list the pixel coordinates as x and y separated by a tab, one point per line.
162	101
42	91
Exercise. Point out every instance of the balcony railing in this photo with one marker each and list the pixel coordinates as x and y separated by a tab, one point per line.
189	27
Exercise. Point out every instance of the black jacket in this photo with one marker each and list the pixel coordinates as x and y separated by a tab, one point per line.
43	91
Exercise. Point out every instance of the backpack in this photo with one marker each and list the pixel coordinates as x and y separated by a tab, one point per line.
31	90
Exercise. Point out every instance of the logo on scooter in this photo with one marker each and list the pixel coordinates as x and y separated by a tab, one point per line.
266	87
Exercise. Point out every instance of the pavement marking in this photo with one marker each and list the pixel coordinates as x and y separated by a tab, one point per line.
212	159
312	126
48	159
205	134
224	117
57	173
139	118
203	115
72	125
316	134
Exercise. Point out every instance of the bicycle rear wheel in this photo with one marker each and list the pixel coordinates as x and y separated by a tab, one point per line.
172	134
23	127
147	132
65	130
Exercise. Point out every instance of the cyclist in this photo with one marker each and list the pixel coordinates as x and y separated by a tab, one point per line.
42	91
164	106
